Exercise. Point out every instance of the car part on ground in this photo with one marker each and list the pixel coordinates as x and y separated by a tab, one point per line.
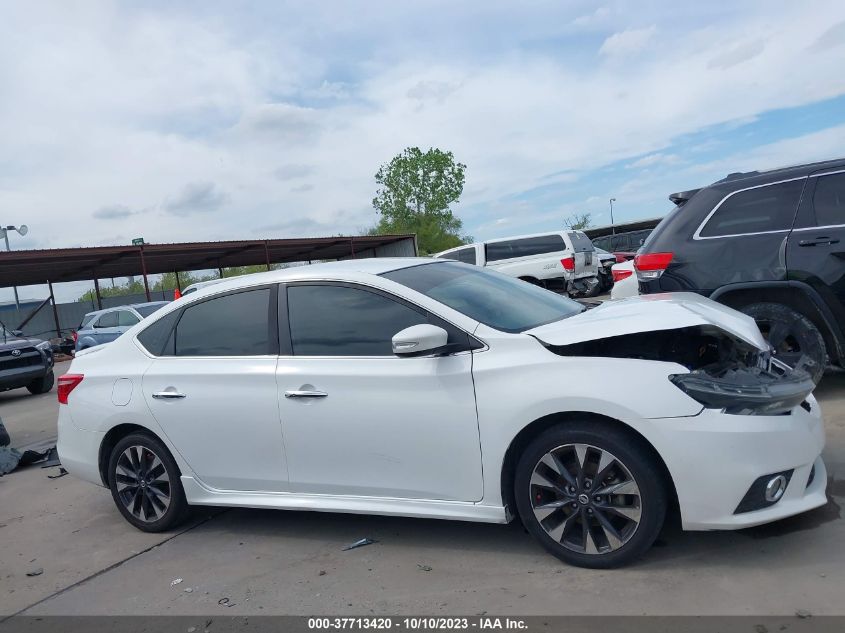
768	243
331	418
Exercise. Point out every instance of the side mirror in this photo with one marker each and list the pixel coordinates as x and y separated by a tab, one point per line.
419	340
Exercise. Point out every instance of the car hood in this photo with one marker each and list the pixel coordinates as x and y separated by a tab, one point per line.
649	313
17	343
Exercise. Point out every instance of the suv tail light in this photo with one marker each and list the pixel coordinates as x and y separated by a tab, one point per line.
619	275
75	336
66	384
651	265
568	263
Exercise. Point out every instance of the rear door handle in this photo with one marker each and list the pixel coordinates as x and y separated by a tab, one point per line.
168	395
819	241
305	394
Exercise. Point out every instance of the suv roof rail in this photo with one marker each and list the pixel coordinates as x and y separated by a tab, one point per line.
682	197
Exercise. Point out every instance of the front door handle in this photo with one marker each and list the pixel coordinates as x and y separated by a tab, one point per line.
299	393
168	395
819	241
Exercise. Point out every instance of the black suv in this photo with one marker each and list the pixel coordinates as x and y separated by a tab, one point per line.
25	362
771	244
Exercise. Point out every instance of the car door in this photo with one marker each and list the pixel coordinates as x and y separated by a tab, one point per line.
212	388
105	328
359	420
816	247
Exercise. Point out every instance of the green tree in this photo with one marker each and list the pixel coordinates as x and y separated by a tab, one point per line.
579	221
415	191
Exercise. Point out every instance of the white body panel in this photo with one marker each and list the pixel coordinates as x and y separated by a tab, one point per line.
427	436
628	287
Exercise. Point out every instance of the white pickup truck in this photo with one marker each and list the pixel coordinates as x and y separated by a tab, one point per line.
562	261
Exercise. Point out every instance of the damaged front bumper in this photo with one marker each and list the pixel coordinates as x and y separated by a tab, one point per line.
771	390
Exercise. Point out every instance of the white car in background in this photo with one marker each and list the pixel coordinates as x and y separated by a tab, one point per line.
564	261
430	388
624	280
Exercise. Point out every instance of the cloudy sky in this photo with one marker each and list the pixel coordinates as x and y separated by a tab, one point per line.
204	120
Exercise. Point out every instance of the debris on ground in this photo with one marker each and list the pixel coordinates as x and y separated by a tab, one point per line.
803	614
175	582
225	602
62	472
322	572
52	459
424	567
188	590
5	440
359	543
35	572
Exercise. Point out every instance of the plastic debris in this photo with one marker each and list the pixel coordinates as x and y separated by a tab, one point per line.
361	543
803	614
188	590
62	472
322	572
52	458
424	567
225	602
175	582
11	458
35	572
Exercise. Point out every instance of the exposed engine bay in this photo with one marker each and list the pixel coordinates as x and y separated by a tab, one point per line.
725	372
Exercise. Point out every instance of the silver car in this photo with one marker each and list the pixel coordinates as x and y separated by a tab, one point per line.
103	326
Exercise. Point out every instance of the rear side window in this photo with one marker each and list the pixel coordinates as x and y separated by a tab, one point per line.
829	200
109	319
525	247
466	255
330	320
126	318
236	324
157	339
769	208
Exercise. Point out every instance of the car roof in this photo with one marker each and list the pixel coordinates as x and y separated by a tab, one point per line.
123	307
508	239
745	179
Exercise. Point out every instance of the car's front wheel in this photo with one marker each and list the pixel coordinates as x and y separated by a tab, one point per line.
145	485
591	494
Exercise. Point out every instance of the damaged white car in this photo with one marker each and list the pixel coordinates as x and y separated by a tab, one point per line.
437	389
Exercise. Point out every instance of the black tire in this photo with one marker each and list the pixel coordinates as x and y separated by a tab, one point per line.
146	514
42	385
791	334
632	455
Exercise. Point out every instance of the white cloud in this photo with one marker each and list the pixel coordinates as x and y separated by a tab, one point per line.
628	42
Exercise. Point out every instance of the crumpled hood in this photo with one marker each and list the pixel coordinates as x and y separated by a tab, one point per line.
649	313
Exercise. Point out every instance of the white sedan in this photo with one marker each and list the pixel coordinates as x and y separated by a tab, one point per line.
437	389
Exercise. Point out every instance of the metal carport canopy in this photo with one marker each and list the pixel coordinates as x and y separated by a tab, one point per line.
29	267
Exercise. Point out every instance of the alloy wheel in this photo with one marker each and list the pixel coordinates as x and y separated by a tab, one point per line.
585	499
143	484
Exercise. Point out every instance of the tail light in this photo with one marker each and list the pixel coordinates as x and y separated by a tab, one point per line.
651	265
568	263
619	275
66	384
75	337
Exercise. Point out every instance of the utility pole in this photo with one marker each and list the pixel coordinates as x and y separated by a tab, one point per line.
23	229
612	223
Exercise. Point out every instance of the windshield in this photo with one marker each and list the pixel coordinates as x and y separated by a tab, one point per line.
492	298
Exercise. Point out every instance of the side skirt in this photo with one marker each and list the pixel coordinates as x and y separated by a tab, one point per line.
197	494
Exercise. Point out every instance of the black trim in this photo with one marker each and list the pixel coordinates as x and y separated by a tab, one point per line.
466	341
283	321
824	310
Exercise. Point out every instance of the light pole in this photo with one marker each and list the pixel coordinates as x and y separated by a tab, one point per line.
23	229
612	224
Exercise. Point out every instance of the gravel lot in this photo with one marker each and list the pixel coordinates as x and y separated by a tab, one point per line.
274	562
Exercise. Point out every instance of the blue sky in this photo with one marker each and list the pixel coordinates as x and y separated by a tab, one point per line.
211	120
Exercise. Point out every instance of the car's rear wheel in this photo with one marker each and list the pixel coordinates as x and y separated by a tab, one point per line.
42	385
145	485
791	334
591	494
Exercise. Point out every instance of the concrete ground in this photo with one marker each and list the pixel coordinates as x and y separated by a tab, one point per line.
249	562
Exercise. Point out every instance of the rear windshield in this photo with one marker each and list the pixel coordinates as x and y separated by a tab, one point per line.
146	311
502	302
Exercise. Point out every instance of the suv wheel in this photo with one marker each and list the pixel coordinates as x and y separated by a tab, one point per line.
589	494
145	485
42	385
791	334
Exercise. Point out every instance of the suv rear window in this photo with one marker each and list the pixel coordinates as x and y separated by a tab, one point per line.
525	247
758	210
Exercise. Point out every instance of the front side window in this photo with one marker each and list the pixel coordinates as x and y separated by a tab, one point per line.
829	200
109	319
327	320
758	210
126	318
486	296
235	324
525	247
